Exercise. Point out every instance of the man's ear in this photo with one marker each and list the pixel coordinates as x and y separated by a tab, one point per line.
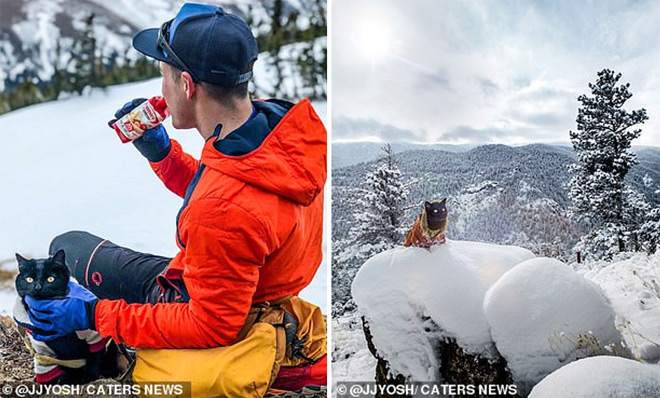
188	84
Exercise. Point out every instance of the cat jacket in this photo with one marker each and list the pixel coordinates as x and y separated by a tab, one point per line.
250	230
66	348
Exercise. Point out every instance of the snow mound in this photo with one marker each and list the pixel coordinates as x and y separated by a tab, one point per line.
601	376
406	293
543	315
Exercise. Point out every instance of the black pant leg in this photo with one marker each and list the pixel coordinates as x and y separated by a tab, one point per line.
110	271
78	247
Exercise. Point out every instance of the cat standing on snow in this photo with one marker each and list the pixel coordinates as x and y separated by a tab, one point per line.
78	355
430	227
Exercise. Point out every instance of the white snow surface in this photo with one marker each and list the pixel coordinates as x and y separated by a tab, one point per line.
400	291
632	285
351	359
602	377
64	169
538	311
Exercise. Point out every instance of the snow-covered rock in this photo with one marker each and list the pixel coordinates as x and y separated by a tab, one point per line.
544	315
601	376
406	293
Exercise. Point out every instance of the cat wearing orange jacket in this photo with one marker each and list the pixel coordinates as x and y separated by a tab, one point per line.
430	227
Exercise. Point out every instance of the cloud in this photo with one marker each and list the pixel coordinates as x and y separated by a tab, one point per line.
487	86
435	79
507	134
467	67
462	134
344	128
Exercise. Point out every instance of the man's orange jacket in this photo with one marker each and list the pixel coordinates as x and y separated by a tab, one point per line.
250	230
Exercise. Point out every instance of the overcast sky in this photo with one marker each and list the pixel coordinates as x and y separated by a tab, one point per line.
487	71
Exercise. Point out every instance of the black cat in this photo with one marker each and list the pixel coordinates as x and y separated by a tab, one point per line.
48	279
436	215
42	279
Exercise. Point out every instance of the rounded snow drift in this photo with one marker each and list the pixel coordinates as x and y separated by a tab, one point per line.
601	376
544	315
405	294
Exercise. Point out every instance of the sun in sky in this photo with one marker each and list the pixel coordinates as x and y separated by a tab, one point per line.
374	38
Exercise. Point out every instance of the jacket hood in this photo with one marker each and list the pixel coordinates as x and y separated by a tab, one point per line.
290	161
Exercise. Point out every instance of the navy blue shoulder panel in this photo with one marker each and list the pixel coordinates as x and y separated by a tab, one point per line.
186	199
250	135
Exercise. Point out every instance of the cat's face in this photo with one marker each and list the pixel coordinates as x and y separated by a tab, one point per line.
42	279
436	213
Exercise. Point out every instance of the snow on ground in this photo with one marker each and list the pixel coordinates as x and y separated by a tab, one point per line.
540	312
521	309
64	169
601	377
351	359
632	287
400	290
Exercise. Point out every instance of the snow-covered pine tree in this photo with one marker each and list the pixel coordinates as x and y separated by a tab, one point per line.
649	232
602	143
84	57
381	206
379	211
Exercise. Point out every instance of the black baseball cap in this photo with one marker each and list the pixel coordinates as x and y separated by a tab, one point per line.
212	45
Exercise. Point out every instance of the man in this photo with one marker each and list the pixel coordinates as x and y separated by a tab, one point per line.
250	228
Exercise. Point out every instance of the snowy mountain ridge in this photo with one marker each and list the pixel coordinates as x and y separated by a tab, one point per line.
32	30
497	193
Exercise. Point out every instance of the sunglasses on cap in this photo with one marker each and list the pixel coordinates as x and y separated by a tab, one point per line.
163	43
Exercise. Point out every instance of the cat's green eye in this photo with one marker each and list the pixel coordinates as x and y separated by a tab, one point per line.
50	279
435	211
29	279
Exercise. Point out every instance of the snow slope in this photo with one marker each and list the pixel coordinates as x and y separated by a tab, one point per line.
632	286
62	168
351	359
601	377
543	315
400	291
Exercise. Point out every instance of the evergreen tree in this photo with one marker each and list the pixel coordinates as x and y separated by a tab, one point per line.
274	43
84	57
602	144
649	232
58	72
380	211
380	207
312	59
344	267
